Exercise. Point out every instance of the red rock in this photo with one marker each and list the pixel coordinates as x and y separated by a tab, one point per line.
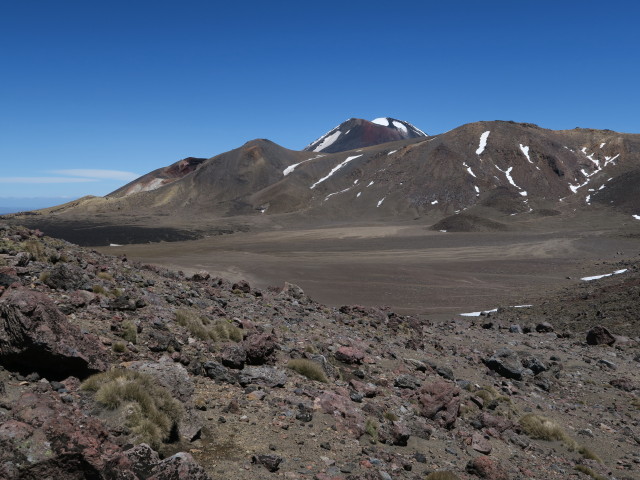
350	355
485	467
440	400
260	348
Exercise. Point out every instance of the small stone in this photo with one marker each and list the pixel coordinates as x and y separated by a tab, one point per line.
268	461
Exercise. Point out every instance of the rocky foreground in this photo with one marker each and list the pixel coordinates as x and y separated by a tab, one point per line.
114	370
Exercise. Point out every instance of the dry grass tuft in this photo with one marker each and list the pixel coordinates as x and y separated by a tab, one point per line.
201	328
129	332
586	470
149	410
542	428
308	368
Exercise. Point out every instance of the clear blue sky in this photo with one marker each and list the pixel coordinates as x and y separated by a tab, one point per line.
129	86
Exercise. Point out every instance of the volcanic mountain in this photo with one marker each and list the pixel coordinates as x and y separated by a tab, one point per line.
505	171
358	133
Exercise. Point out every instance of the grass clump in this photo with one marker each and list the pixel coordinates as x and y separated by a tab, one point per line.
371	429
308	368
146	408
442	476
98	289
588	471
129	332
119	347
201	327
392	417
35	249
542	428
105	276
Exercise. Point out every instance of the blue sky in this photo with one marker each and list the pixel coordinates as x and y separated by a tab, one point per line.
93	93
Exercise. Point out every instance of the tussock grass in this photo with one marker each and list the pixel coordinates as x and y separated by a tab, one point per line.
202	329
442	476
35	249
129	332
371	429
308	368
105	276
586	470
542	428
99	289
119	347
147	409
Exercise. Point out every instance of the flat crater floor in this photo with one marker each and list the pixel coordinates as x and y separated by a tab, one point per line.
411	269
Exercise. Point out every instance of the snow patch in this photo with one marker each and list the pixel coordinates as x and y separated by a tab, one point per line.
477	189
525	150
443	231
483	142
359	193
507	174
380	202
523	193
115	245
477	314
370	183
435	202
381	121
598	277
602	144
464	164
291	168
336	193
637	217
400	126
334	170
355	182
328	141
391	152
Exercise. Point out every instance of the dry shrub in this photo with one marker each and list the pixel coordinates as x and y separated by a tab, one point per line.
308	368
371	429
105	276
119	347
35	249
129	332
147	409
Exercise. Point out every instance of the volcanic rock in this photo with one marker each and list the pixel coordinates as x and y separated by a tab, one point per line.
599	335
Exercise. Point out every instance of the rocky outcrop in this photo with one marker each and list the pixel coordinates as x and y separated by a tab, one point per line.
36	337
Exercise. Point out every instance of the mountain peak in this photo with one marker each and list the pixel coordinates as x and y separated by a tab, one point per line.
359	133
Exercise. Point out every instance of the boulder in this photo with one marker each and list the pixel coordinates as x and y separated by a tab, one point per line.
260	348
178	466
233	356
440	401
599	335
242	286
350	355
139	460
269	376
506	363
65	276
36	337
486	467
171	375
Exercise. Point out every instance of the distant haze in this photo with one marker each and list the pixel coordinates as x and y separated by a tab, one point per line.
13	205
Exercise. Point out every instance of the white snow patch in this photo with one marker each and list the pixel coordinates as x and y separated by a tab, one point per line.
523	193
370	183
443	231
525	150
380	202
588	199
601	187
637	217
507	173
609	160
602	144
521	306
115	245
391	152
336	193
355	182
477	189
584	172
477	314
359	193
464	164
381	121
327	141
334	170
483	142
400	126
598	277
435	202
291	168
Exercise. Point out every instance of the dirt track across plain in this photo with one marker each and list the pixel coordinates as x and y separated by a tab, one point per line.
411	269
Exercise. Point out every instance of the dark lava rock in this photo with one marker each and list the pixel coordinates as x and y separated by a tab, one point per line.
506	362
534	364
219	373
269	376
260	348
599	335
36	337
233	356
242	286
270	462
544	327
139	459
8	277
65	276
406	381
